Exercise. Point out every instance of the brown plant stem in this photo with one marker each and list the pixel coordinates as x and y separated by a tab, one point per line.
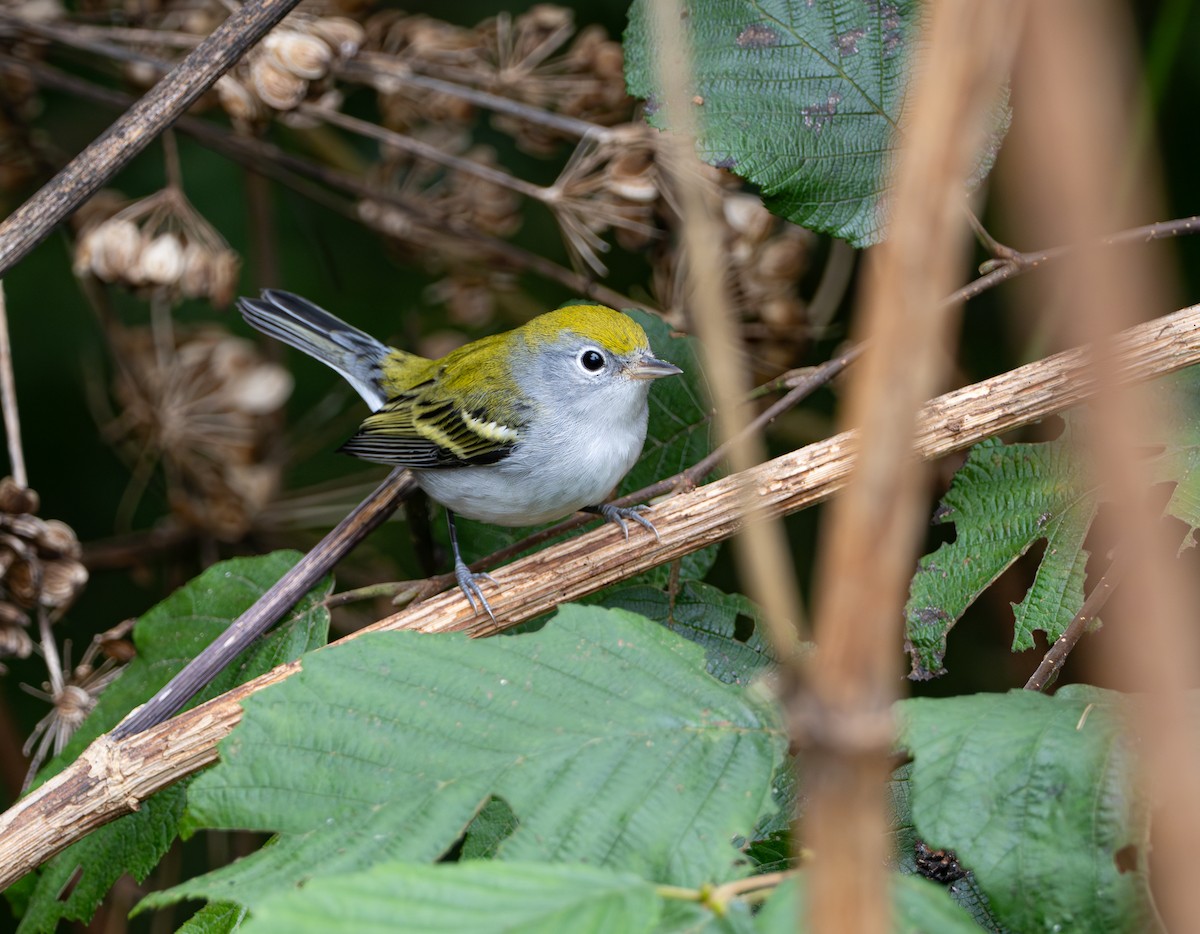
8	399
841	716
1045	674
31	223
112	776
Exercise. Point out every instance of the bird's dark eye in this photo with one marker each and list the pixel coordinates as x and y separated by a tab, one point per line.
591	360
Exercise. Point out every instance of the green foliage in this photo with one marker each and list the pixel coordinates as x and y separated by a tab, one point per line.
1003	500
1032	794
801	99
480	897
602	733
167	636
726	625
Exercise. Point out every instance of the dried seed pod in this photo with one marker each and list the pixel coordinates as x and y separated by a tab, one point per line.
162	260
197	271
115	247
303	55
238	101
24	579
783	259
61	582
226	265
278	87
15	642
747	217
56	539
344	36
15	499
12	616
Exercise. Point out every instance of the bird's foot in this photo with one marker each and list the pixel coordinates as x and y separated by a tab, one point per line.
618	515
468	583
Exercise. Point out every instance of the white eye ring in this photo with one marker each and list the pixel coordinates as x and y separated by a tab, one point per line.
592	360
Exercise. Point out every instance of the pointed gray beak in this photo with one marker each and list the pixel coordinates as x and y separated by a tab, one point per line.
649	367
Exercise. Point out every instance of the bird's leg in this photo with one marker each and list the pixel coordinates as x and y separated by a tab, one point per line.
468	581
618	515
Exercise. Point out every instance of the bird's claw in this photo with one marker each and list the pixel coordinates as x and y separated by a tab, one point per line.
468	583
618	515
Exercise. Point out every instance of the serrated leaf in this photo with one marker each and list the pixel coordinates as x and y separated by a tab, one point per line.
167	636
482	897
216	918
726	625
494	824
801	99
677	437
918	907
1004	499
1033	795
601	732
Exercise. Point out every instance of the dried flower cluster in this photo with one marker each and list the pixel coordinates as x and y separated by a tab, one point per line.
40	569
73	696
521	58
161	245
204	408
292	64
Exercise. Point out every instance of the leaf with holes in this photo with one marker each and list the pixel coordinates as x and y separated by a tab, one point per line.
1003	500
801	99
1033	794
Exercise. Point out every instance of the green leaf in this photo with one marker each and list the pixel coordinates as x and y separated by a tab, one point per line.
167	636
494	824
478	897
726	625
601	732
800	98
173	632
1032	794
678	436
1003	500
217	918
918	907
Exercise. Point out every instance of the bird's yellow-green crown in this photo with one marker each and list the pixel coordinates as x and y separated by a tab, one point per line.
610	329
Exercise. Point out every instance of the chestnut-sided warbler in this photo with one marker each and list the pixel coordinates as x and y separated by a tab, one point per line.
519	428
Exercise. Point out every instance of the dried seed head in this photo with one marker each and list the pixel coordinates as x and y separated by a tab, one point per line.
276	86
196	279
15	642
302	55
241	105
226	265
24	581
12	617
61	582
15	499
747	217
114	247
161	261
56	539
344	36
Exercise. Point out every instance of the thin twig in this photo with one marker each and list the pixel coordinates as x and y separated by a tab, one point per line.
31	223
1046	673
272	605
8	399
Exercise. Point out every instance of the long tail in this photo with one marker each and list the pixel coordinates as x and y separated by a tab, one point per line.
296	321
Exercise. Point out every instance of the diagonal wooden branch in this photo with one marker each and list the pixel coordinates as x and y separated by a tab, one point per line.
31	223
112	777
